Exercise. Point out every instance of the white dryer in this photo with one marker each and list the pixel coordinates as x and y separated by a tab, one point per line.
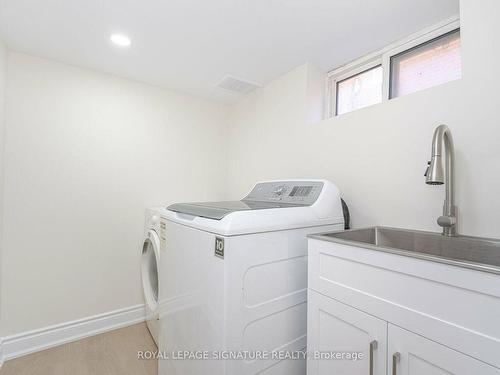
234	278
154	230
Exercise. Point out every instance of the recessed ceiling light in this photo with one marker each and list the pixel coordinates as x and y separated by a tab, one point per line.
120	40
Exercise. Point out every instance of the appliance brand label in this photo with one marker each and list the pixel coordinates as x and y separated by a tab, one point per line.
219	247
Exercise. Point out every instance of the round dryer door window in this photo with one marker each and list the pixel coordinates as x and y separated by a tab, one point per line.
149	269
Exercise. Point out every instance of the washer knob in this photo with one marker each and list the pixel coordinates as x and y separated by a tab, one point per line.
280	190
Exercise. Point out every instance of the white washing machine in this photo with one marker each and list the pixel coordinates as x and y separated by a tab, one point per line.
154	237
233	279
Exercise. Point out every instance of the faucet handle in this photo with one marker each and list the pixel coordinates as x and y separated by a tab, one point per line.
427	170
446	221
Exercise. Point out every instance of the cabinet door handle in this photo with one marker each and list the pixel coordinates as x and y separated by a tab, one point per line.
396	357
373	347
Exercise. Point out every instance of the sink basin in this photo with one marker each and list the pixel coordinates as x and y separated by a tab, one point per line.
477	253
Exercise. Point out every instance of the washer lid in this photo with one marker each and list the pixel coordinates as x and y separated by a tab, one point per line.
264	195
270	206
218	210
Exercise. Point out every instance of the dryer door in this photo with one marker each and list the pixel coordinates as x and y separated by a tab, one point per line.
149	269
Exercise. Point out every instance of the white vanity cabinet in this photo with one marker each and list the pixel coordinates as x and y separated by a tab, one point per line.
411	354
426	318
336	327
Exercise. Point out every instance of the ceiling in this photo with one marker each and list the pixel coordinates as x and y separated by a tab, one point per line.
190	45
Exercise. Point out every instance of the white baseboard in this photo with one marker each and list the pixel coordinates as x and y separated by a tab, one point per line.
48	337
1	352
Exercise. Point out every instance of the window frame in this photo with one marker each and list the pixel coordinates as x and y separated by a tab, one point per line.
417	46
383	57
341	78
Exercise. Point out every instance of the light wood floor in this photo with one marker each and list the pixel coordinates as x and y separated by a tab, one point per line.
111	353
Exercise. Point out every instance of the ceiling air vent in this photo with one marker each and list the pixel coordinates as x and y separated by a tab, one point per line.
237	85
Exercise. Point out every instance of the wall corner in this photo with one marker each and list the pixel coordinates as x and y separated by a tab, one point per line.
315	100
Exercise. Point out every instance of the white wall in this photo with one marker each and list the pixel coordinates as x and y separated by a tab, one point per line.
85	154
3	73
377	156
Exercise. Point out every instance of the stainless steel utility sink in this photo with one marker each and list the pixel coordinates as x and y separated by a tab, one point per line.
477	253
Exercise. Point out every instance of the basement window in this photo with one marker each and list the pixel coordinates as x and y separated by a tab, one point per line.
423	60
360	90
429	64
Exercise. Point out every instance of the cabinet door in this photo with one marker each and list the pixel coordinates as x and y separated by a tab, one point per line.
335	329
411	354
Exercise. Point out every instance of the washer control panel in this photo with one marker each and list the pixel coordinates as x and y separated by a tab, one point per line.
303	193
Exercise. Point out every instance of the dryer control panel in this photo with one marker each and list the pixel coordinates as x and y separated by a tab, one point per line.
303	193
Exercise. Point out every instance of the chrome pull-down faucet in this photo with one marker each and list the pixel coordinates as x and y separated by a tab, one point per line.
438	174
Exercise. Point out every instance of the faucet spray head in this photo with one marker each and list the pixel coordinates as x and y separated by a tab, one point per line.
435	172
